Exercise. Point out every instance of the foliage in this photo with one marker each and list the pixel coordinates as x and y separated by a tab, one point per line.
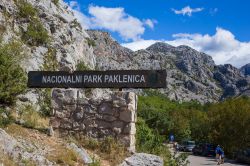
12	76
178	160
223	123
5	117
90	42
44	101
36	34
81	66
109	149
96	162
50	62
56	2
153	107
150	141
26	10
75	24
64	156
229	123
113	150
32	118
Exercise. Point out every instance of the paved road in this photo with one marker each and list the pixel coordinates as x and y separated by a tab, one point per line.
200	161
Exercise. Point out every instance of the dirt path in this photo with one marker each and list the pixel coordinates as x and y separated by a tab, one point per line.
199	161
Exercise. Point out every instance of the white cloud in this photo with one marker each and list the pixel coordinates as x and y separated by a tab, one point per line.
150	23
140	44
74	5
187	11
116	20
113	19
222	46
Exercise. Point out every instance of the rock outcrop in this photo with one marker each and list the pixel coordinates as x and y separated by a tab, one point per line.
245	70
68	42
21	150
143	159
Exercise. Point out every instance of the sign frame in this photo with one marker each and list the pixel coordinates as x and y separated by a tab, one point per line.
100	79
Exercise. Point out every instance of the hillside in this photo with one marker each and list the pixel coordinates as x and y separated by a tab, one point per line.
45	35
191	75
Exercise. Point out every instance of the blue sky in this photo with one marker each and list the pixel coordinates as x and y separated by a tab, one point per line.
217	27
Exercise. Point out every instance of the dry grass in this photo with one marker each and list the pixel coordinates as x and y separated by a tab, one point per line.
109	149
32	118
65	156
6	160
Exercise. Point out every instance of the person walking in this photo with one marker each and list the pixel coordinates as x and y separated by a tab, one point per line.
218	152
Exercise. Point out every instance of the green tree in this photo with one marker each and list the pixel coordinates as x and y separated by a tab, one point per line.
230	123
12	76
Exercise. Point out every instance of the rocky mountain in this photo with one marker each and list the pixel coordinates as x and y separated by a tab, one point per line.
245	70
191	75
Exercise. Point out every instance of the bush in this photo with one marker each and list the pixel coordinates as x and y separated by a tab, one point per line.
91	42
44	101
5	118
26	10
75	24
81	66
229	123
56	2
50	62
149	141
113	150
12	76
32	118
36	34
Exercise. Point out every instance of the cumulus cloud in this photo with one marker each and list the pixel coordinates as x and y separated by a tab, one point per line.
113	19
222	46
150	23
187	11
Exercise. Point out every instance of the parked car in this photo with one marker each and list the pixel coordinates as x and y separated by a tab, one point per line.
243	156
187	146
204	149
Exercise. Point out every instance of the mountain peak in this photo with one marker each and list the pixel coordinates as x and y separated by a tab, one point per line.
245	70
160	47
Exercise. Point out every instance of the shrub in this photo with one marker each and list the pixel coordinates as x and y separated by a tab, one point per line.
81	66
44	101
36	34
50	62
26	10
5	118
75	24
12	76
56	2
113	150
91	42
64	156
32	118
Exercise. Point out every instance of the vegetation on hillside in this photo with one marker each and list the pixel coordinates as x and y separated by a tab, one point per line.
225	123
12	77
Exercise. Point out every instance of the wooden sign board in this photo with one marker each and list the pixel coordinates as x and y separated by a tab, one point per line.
98	79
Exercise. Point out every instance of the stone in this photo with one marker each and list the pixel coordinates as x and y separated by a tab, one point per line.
127	116
106	108
81	152
129	129
50	131
78	115
143	159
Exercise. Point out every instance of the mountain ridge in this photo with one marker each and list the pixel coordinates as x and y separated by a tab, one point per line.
192	75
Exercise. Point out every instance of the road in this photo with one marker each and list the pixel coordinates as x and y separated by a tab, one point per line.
199	161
